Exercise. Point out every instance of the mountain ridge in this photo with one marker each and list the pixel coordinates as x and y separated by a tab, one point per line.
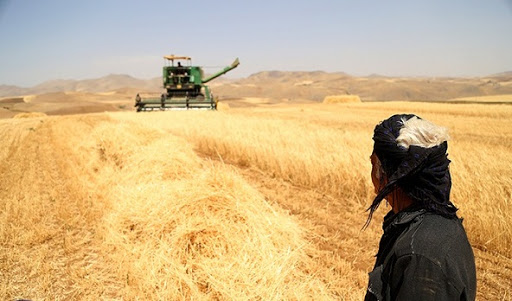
311	85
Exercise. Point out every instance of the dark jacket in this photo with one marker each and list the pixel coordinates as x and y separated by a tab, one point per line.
423	256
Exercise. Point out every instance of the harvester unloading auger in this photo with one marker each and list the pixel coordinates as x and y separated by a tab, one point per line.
185	87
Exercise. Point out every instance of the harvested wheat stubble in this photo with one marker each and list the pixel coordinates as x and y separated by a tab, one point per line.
210	236
325	148
134	213
186	229
72	187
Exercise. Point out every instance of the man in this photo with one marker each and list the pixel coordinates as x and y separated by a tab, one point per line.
424	253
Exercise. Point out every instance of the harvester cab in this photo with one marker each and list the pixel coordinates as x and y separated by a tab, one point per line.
185	87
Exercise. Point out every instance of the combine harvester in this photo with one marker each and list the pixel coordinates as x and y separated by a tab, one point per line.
185	87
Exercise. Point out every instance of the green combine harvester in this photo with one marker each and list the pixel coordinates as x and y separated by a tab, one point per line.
185	87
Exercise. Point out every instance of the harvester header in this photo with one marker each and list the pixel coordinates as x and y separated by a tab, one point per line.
185	87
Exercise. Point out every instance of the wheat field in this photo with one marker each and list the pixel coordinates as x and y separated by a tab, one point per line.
262	203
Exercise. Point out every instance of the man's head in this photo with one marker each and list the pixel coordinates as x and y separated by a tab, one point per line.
409	153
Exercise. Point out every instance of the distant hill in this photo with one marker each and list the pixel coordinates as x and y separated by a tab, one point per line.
503	76
9	90
506	73
316	85
103	84
288	85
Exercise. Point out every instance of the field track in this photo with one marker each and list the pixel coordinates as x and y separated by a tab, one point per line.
68	183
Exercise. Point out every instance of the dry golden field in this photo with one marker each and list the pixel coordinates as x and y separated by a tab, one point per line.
261	203
507	98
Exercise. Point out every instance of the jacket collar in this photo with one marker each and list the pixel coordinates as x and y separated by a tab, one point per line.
402	218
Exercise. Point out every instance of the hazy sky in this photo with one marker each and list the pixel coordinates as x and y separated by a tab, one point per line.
66	39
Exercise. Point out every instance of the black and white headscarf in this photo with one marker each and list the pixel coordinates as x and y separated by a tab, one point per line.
421	172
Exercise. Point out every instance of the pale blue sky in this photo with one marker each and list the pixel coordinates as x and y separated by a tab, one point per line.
66	39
